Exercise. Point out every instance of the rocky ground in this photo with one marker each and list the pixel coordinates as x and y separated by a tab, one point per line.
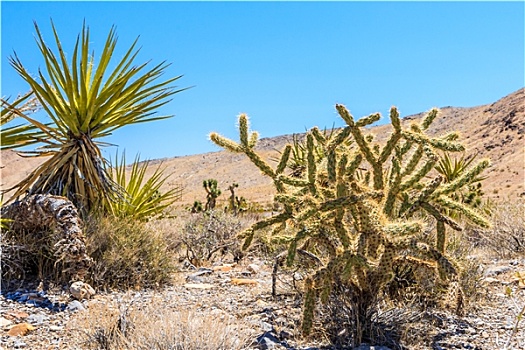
32	318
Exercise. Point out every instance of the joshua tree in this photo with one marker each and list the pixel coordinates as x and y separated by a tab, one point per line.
362	222
237	204
212	192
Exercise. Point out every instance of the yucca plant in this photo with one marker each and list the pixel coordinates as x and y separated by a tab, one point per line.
86	101
144	198
22	134
453	168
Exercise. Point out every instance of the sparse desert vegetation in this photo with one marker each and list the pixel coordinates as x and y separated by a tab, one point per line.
385	236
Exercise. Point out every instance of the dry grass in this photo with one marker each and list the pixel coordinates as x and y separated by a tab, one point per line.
122	326
507	236
27	256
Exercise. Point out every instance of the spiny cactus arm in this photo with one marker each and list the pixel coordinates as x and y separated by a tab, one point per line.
346	201
354	165
225	143
394	137
429	118
463	209
440	217
403	229
285	156
248	234
287	199
414	159
254	137
371	225
356	132
423	196
341	230
339	138
260	163
441	235
439	143
420	174
345	114
452	136
394	186
292	181
332	166
306	214
311	165
464	179
292	247
244	130
318	135
341	186
365	121
384	273
310	300
403	148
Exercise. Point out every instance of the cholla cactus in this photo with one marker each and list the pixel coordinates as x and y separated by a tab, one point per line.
357	203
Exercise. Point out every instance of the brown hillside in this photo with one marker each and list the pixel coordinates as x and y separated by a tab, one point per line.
495	131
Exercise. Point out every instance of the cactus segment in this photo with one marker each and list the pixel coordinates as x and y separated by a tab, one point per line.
464	179
226	143
429	118
372	118
284	160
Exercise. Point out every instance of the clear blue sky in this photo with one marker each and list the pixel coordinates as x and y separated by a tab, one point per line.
286	64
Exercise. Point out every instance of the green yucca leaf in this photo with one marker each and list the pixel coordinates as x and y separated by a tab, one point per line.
144	198
22	134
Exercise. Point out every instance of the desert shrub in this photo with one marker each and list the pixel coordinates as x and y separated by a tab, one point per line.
124	326
127	253
208	235
359	210
506	238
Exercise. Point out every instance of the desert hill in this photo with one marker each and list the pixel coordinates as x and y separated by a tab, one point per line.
494	131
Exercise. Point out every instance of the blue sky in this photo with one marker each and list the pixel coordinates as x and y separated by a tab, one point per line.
286	64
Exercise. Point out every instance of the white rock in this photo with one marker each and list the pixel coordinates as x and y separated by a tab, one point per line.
253	268
4	322
80	290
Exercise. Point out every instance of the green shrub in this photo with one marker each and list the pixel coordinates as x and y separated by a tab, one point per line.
358	209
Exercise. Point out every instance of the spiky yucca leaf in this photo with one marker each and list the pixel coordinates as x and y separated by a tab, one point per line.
86	100
144	198
22	134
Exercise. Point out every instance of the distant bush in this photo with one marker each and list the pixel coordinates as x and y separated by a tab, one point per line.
208	235
506	238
